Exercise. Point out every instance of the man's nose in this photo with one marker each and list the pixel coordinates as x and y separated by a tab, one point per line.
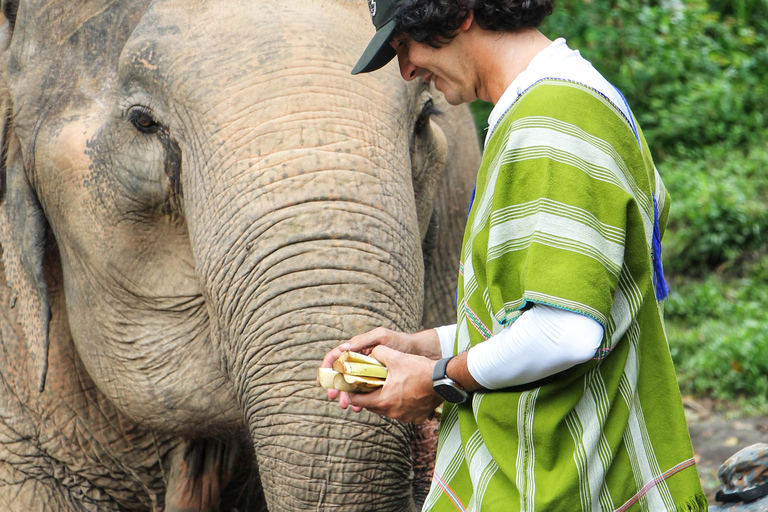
407	68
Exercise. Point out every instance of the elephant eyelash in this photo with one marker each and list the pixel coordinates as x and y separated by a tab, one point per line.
427	112
141	118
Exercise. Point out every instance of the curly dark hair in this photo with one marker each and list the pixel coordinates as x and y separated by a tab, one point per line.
435	22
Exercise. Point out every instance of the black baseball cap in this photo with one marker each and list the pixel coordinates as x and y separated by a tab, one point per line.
379	51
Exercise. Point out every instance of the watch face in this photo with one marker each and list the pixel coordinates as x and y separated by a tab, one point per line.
450	392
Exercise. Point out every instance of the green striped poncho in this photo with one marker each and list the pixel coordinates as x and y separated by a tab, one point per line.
564	216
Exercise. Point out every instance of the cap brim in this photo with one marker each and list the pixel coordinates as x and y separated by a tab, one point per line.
378	52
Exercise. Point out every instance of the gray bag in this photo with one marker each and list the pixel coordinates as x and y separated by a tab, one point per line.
744	476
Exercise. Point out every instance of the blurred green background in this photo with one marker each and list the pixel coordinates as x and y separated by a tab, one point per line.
695	73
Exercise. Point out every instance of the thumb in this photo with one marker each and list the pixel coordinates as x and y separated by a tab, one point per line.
384	354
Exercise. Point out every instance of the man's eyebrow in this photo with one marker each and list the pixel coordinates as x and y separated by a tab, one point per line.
399	40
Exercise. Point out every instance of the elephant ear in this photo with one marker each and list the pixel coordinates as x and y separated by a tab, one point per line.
429	150
10	8
22	242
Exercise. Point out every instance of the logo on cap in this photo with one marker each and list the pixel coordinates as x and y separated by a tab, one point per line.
372	7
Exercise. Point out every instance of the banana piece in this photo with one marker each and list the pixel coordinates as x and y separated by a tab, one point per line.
355	357
331	379
325	377
353	372
342	385
367	381
357	373
363	370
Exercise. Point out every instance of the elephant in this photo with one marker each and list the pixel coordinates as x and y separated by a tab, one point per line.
197	201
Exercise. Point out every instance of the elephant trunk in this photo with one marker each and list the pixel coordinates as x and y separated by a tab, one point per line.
311	454
340	270
299	258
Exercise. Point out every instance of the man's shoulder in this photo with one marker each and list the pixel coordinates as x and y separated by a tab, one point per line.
565	105
558	97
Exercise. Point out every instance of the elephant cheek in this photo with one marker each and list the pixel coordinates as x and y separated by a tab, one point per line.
66	164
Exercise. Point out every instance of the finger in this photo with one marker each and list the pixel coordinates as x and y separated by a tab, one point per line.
333	394
357	408
383	354
362	344
344	399
364	400
329	358
367	340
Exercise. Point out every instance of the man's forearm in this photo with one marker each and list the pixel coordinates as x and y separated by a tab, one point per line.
457	370
426	343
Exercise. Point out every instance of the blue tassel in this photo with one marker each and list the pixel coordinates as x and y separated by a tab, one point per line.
471	200
662	288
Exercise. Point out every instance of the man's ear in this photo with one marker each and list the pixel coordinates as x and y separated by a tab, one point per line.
467	21
22	240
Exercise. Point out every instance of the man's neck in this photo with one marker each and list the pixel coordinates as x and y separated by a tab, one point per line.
502	57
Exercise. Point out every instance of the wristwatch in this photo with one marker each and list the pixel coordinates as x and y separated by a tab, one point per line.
446	387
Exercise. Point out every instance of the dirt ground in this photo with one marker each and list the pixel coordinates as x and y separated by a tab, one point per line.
716	437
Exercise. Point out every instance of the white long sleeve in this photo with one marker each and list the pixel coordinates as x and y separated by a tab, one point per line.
541	342
447	335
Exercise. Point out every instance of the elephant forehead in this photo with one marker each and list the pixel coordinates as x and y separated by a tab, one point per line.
218	43
64	53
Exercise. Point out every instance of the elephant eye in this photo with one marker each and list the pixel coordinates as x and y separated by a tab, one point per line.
141	118
427	112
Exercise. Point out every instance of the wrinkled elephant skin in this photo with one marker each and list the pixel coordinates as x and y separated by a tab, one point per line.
197	201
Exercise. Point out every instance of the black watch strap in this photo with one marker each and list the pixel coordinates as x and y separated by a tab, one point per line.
450	390
441	367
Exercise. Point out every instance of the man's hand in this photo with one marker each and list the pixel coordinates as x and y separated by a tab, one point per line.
407	393
425	344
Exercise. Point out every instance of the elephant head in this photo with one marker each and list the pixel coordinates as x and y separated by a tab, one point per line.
228	203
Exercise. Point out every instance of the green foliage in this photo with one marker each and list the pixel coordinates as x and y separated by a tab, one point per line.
749	11
718	216
718	339
696	76
691	77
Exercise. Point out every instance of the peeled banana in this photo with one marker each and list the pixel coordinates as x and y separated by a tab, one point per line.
354	357
357	373
353	372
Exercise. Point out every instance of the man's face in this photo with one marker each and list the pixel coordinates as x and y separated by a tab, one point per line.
446	66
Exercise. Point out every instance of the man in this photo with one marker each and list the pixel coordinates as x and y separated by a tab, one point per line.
559	387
